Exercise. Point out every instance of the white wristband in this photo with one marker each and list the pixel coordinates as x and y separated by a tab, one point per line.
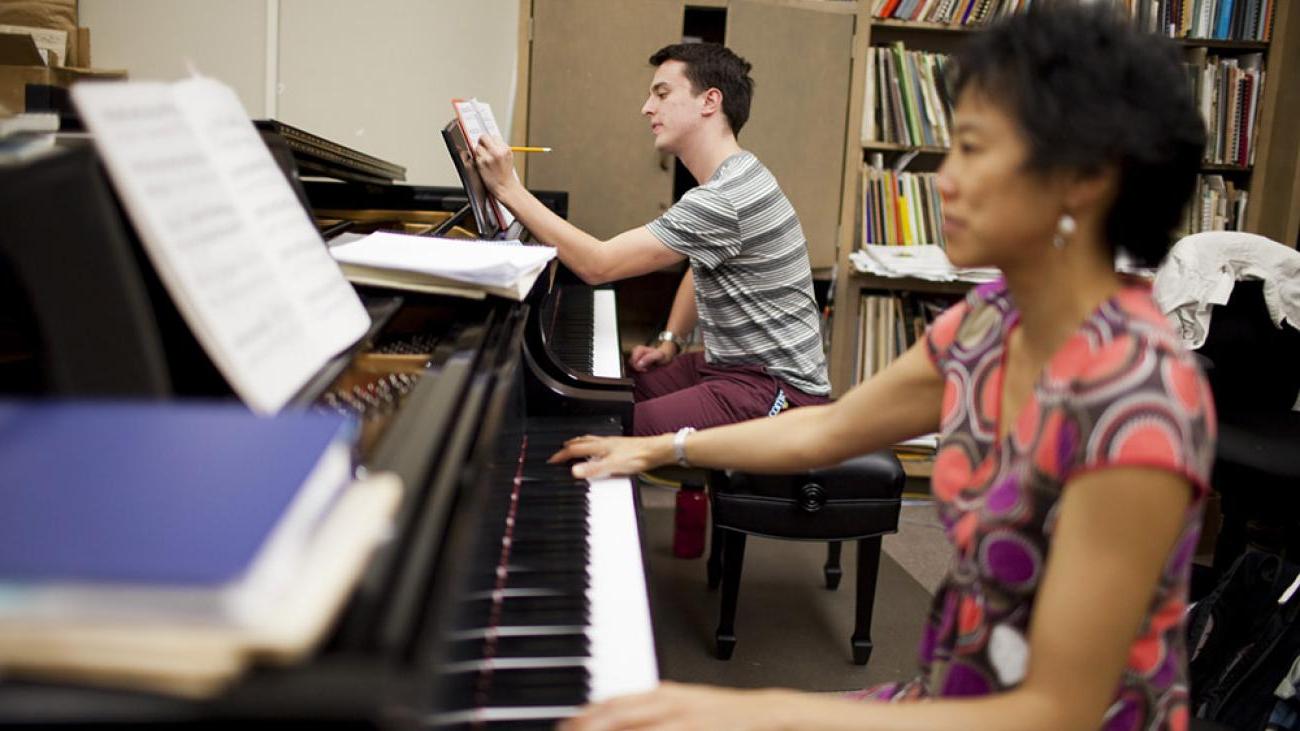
679	445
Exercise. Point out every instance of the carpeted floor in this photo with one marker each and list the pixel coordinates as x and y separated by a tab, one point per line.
791	631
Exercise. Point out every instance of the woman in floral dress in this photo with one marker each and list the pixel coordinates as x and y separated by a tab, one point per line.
1076	435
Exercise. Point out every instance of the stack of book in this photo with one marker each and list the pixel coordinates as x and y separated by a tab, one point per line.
906	101
1217	205
165	547
900	208
891	322
1228	91
947	12
1236	20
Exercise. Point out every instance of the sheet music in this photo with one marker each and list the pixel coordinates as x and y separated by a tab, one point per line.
257	300
474	261
477	120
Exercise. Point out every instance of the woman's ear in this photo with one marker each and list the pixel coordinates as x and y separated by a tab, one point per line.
1094	190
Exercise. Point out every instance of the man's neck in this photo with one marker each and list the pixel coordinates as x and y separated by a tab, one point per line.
704	154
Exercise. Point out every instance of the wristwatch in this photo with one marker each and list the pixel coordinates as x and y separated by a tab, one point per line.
668	336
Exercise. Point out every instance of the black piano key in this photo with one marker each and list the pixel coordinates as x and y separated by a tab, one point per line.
548	645
562	611
517	688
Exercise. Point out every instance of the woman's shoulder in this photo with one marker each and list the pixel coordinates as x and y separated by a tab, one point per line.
974	323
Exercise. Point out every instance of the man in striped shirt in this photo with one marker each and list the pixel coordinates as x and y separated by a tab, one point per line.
749	285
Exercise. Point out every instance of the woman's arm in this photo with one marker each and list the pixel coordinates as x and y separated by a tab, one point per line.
1116	531
900	402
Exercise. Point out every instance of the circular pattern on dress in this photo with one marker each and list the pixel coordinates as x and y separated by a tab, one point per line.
1127	364
1127	712
1183	382
952	471
1141	428
1004	497
1010	558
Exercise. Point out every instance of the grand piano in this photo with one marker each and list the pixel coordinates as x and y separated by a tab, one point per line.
508	594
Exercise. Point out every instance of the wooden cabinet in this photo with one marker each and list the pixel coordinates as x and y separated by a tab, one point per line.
587	76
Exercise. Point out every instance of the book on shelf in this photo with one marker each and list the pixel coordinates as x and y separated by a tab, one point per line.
947	12
184	540
470	268
900	208
905	99
1228	92
889	323
1226	20
1216	205
228	237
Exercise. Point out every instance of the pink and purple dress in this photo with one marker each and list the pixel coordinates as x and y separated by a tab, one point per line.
1121	392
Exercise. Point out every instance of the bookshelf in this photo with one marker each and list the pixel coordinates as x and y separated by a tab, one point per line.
1273	180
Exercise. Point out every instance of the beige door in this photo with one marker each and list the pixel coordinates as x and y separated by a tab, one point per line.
589	78
802	62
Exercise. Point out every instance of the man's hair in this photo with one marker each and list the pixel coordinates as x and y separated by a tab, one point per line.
1089	90
712	66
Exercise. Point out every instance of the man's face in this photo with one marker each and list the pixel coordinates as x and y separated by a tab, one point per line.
674	111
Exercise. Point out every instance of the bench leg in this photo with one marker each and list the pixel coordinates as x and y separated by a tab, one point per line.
714	565
868	571
733	561
832	569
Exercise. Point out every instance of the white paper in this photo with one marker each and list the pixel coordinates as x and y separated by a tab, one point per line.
925	261
491	263
225	232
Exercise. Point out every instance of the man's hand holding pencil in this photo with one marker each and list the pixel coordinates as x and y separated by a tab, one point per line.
496	164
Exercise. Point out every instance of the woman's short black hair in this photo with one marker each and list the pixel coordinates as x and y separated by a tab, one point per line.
1089	90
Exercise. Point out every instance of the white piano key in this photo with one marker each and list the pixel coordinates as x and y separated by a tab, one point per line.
622	639
490	715
606	352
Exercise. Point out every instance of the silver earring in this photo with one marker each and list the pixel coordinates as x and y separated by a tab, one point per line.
1065	228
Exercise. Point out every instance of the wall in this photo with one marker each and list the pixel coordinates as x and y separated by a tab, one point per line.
376	75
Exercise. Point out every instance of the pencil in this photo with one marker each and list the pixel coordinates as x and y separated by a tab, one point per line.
522	148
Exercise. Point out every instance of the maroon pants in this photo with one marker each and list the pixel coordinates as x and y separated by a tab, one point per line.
690	392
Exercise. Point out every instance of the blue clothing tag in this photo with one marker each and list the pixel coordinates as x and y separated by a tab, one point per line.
779	404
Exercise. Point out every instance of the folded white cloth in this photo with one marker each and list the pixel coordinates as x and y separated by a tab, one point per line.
1202	269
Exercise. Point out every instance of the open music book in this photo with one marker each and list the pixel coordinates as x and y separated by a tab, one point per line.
476	119
460	267
230	241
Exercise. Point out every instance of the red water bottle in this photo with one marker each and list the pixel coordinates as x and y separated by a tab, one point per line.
690	520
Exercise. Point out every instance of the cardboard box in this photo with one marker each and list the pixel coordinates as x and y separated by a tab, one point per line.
20	65
59	15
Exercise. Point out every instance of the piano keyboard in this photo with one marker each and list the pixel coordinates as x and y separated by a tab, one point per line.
584	331
556	613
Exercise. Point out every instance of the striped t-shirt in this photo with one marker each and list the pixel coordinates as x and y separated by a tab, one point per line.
753	282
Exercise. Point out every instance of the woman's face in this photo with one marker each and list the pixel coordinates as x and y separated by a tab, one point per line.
996	212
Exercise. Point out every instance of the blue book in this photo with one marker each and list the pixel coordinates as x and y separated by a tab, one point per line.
1224	23
160	494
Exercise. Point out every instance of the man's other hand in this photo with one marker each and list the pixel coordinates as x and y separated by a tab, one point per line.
495	163
645	357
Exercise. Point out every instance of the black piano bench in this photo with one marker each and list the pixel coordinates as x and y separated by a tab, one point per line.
857	500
